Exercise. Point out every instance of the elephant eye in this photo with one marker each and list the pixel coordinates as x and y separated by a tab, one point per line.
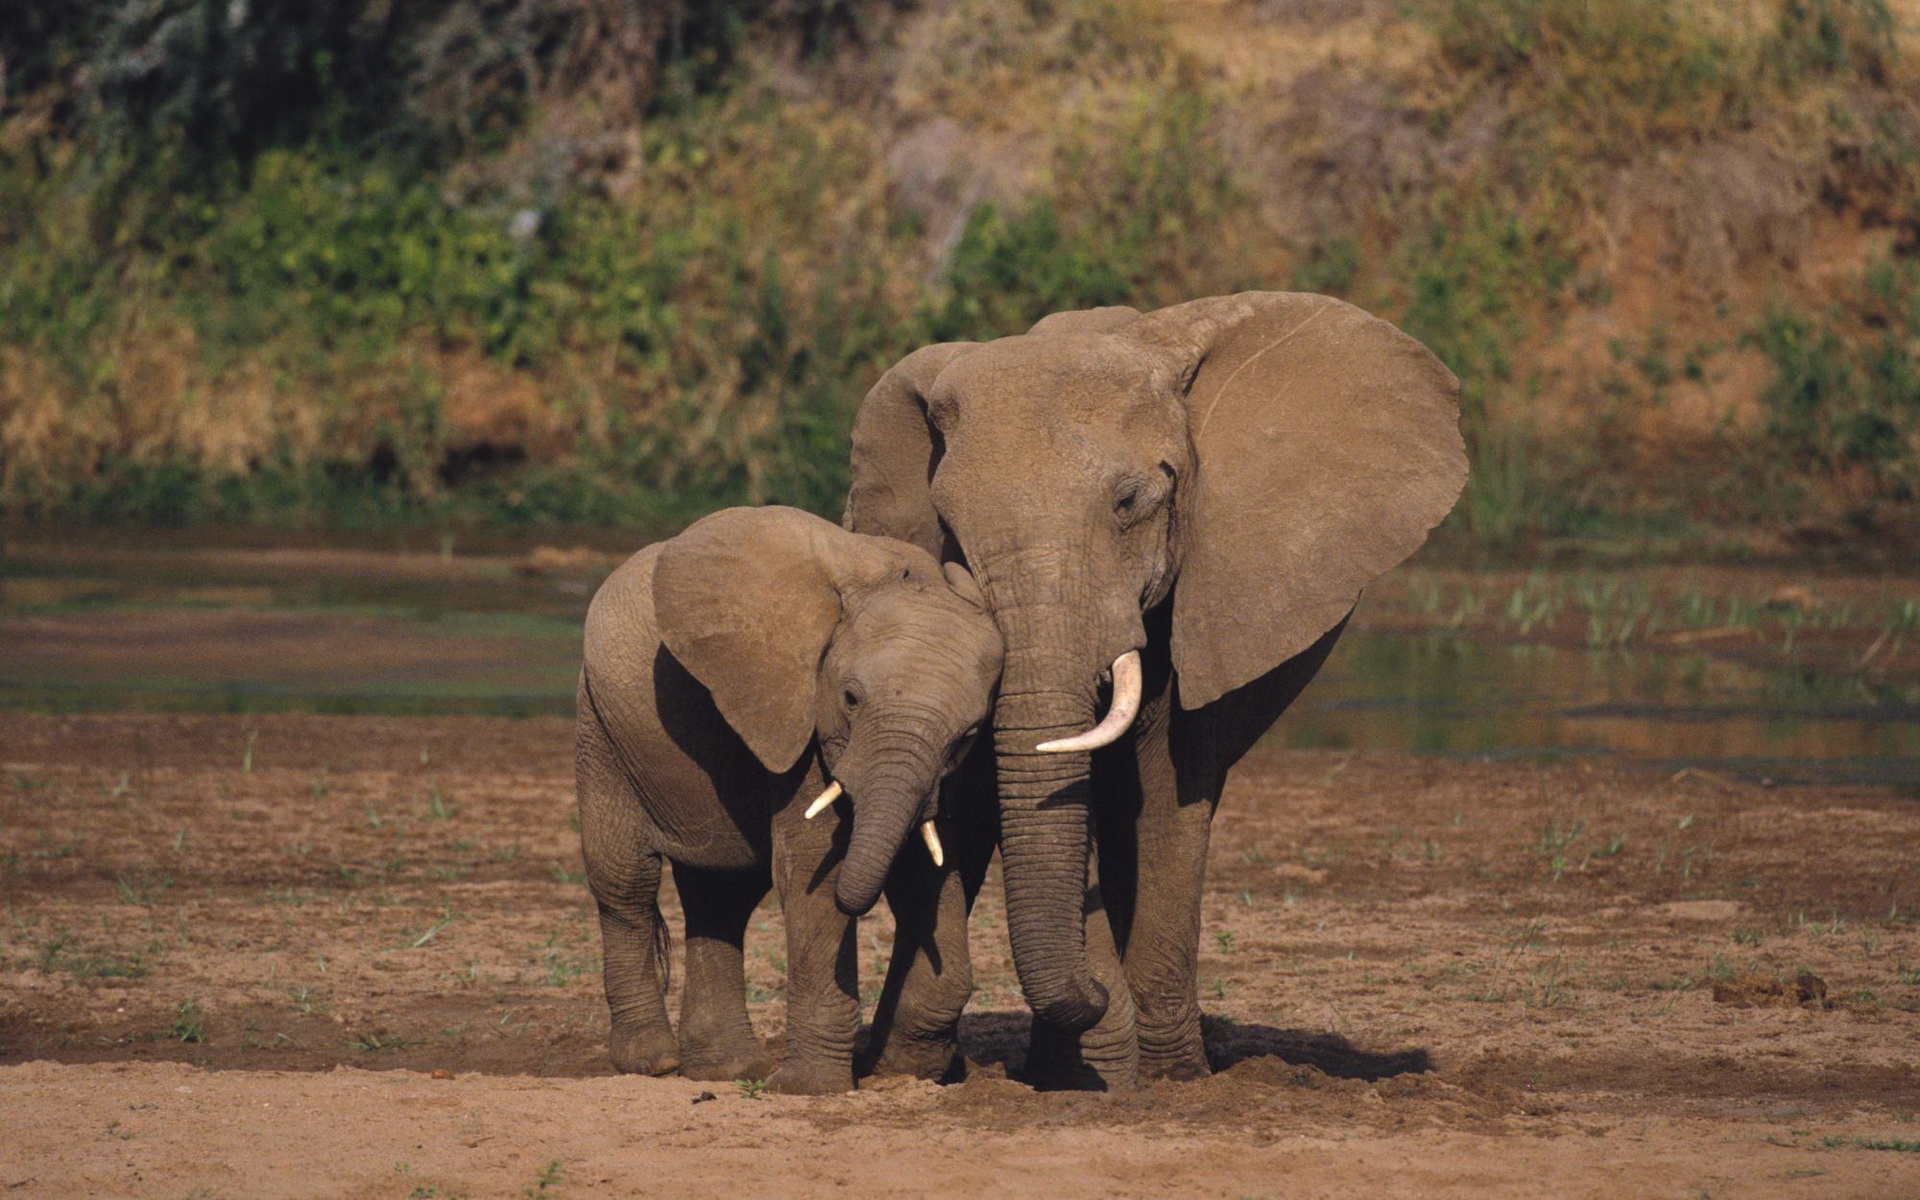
1133	501
851	698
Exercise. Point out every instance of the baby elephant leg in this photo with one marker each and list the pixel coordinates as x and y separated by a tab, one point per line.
624	875
716	1038
916	1027
823	979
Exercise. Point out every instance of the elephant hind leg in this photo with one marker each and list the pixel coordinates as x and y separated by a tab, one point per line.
623	872
716	1038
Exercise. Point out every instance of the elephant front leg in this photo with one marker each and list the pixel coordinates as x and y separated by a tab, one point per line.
1107	1056
823	980
916	1027
1162	931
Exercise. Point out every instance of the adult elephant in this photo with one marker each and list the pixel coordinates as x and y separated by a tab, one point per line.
1192	500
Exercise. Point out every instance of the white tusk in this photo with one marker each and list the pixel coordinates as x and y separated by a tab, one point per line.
1126	706
932	837
826	798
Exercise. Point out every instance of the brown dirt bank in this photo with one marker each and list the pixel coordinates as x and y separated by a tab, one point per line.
239	973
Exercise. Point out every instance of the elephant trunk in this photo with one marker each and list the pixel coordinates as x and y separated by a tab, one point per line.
887	804
1046	695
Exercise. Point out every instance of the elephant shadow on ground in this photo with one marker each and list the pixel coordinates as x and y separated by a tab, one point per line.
999	1039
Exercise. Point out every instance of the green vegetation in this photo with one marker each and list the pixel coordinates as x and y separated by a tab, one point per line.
1841	403
276	265
189	1024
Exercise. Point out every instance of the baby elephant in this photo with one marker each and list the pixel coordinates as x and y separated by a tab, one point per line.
730	674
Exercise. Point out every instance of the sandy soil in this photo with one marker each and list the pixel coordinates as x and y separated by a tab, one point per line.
298	956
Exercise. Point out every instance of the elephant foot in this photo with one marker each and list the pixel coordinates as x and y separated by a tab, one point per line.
724	1067
1174	1050
647	1050
811	1078
1089	1063
922	1058
1180	1068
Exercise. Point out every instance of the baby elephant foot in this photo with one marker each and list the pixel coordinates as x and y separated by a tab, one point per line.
1098	1061
804	1078
920	1058
644	1050
724	1068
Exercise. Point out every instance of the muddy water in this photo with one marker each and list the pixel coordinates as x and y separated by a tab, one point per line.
353	632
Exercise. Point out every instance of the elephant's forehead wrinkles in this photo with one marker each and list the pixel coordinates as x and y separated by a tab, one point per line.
1082	377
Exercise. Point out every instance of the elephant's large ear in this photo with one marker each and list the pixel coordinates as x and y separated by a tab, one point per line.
747	599
893	452
1328	445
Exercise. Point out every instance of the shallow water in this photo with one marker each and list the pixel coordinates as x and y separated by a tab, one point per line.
352	633
1457	697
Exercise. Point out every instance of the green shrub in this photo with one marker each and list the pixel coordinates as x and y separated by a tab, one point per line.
1846	388
1833	38
1139	213
1602	76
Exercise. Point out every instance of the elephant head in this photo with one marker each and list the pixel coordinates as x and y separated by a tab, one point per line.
800	630
1252	460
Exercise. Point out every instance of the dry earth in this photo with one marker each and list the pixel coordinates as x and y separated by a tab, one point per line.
298	956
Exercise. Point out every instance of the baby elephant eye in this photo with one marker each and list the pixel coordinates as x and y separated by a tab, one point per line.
851	698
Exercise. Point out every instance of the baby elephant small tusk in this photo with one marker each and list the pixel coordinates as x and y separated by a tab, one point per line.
932	836
826	799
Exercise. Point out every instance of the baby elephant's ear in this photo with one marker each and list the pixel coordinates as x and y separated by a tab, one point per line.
747	600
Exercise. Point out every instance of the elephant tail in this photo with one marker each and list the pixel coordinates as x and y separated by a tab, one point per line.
662	951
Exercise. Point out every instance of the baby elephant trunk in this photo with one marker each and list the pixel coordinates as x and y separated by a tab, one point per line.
887	806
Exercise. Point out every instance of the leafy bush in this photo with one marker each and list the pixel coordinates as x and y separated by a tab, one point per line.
1605	75
1842	400
1139	213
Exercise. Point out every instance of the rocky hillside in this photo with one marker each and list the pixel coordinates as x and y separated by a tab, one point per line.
593	261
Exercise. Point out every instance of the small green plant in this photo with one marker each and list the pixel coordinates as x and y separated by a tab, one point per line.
378	1042
562	970
143	889
1555	841
189	1023
305	1000
548	1181
752	1089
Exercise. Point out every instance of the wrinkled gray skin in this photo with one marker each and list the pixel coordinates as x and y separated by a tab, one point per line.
1212	485
729	674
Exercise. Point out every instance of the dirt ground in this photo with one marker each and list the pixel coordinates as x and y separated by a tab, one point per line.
325	956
